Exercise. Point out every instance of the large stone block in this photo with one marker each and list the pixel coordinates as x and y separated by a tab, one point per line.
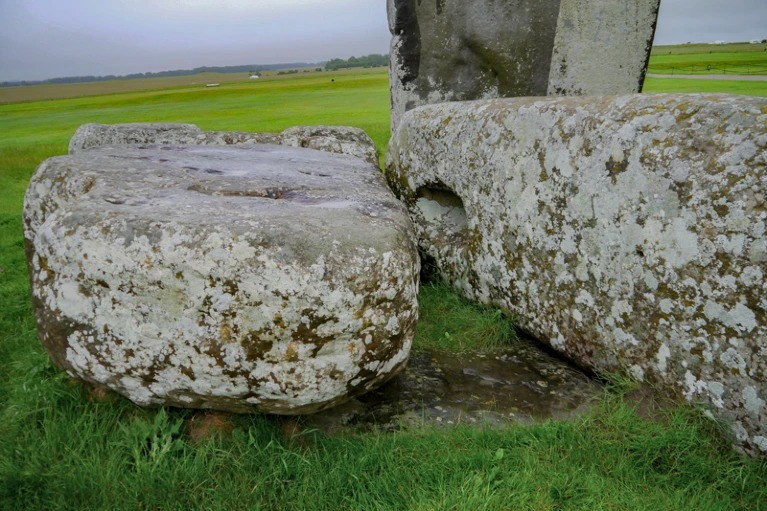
332	139
627	232
264	278
457	50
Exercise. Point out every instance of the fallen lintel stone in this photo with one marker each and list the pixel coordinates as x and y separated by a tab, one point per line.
332	139
260	278
627	232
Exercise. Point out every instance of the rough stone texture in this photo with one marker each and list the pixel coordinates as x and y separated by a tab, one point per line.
454	50
518	384
265	278
332	139
627	232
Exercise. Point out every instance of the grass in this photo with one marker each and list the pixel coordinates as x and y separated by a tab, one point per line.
34	131
735	59
658	85
450	322
84	455
61	448
198	81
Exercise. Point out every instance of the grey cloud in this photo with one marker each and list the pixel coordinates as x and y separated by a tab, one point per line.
46	38
681	21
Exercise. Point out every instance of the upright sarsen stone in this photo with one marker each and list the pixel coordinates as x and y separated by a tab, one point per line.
628	232
259	278
457	50
602	47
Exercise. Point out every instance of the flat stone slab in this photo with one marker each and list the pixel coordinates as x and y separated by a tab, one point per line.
333	139
626	231
518	384
266	278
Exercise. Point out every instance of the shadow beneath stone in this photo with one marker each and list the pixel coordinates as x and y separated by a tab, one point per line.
515	385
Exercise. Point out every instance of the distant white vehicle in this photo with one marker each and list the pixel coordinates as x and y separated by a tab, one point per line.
254	77
756	41
720	42
212	84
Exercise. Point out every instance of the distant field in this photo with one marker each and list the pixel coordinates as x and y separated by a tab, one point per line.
75	90
32	131
688	59
671	84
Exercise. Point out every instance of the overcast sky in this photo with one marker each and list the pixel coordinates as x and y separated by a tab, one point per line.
42	39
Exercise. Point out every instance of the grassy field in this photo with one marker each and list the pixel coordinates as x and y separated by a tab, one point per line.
62	447
689	59
657	85
198	81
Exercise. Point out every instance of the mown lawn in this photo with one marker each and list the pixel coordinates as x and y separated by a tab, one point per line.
733	58
61	447
671	84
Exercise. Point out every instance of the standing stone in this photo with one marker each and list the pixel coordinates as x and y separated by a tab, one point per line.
260	278
627	232
457	50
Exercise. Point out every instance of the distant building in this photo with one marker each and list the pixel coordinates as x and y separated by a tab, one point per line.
720	42
756	41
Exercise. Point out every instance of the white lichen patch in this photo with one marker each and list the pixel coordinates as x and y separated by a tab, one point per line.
274	279
628	232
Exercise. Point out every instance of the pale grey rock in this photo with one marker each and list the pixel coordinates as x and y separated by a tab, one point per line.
457	50
89	136
264	278
332	139
627	232
602	47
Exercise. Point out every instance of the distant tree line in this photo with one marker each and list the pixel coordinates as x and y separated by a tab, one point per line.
178	72
372	60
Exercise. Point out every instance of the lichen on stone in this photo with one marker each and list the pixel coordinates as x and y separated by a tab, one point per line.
260	278
628	232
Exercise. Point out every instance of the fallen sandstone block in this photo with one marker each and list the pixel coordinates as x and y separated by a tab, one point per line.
458	50
332	139
260	278
627	232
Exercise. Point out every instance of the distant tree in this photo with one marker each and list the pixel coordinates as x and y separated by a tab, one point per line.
176	72
372	60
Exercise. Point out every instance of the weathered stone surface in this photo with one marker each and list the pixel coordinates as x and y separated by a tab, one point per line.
265	278
90	136
627	232
513	385
454	50
332	139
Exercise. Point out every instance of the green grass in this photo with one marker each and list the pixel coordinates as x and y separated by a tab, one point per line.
735	59
657	85
34	131
450	322
60	449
